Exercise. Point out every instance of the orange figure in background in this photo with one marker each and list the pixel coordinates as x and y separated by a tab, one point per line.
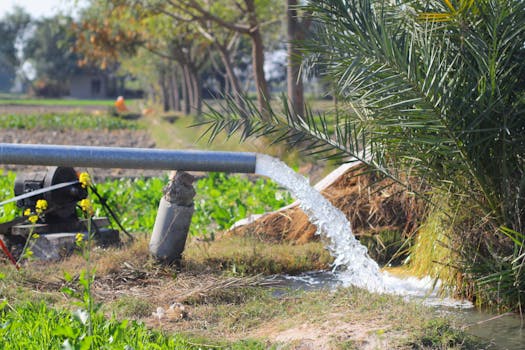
120	105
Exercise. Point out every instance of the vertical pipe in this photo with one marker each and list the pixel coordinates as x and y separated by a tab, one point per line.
173	219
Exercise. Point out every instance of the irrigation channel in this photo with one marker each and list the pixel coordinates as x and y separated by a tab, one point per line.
352	265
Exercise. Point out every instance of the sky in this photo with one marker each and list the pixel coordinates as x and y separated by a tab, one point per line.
39	8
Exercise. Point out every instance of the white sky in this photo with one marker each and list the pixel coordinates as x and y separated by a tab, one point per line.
39	8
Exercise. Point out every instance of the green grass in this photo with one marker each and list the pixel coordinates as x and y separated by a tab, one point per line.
54	102
65	121
36	326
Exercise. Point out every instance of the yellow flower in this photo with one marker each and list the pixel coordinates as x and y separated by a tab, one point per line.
41	205
86	206
35	235
84	179
33	219
28	253
27	212
79	238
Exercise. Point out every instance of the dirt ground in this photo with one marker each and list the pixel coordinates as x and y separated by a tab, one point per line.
41	109
113	138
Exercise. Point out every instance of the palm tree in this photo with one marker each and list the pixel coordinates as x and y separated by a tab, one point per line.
438	89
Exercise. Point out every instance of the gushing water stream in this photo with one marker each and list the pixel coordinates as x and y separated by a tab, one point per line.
351	257
331	223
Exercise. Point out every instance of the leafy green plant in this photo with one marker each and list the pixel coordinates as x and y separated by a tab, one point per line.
36	326
134	200
16	100
65	122
8	211
221	200
440	334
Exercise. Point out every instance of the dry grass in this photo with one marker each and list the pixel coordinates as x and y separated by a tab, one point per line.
240	255
203	299
129	270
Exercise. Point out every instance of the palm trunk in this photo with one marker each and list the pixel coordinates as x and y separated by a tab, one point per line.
164	93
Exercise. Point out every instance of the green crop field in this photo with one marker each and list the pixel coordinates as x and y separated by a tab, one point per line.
55	102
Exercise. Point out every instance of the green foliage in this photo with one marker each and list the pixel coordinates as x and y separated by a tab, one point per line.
498	269
9	211
439	334
64	122
221	200
134	200
9	99
49	50
36	326
13	27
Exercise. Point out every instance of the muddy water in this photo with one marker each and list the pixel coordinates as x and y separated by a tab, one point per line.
504	332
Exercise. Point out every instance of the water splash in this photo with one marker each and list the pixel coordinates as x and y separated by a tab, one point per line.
360	269
353	265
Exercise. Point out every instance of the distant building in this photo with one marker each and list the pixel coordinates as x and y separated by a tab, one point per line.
6	80
98	85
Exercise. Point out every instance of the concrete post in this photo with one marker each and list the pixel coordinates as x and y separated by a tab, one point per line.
173	219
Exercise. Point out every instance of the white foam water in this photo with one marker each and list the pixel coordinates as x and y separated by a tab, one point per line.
361	270
354	265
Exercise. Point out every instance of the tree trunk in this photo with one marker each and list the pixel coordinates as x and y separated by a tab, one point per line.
169	83
232	78
174	86
263	93
188	89
197	96
184	91
226	89
165	93
294	77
